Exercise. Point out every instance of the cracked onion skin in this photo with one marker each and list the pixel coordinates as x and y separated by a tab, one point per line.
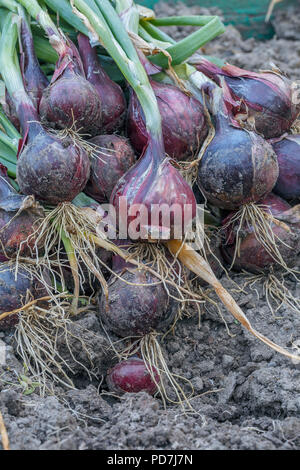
113	157
184	123
132	376
268	96
252	255
288	156
13	292
238	166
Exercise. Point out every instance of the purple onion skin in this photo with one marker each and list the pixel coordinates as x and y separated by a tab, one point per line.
152	182
135	310
14	232
253	256
288	156
34	79
114	158
184	123
237	166
16	225
111	94
51	169
13	292
268	96
70	100
132	376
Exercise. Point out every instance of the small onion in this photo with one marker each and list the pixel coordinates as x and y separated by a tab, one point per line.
132	376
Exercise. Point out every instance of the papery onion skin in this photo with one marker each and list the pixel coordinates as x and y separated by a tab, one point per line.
132	376
252	255
184	123
267	95
13	292
111	94
288	156
113	156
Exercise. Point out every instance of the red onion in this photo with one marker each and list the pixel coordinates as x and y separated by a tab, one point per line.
184	124
252	254
19	219
267	95
288	156
113	157
238	166
137	308
70	100
150	185
52	169
111	94
132	376
13	292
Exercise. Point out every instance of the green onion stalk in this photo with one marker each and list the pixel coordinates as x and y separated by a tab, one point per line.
182	53
43	18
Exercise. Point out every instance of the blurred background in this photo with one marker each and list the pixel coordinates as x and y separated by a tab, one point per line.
247	15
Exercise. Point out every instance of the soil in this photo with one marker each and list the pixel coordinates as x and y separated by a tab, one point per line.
246	395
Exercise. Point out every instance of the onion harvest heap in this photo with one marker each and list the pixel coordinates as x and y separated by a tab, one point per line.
96	129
